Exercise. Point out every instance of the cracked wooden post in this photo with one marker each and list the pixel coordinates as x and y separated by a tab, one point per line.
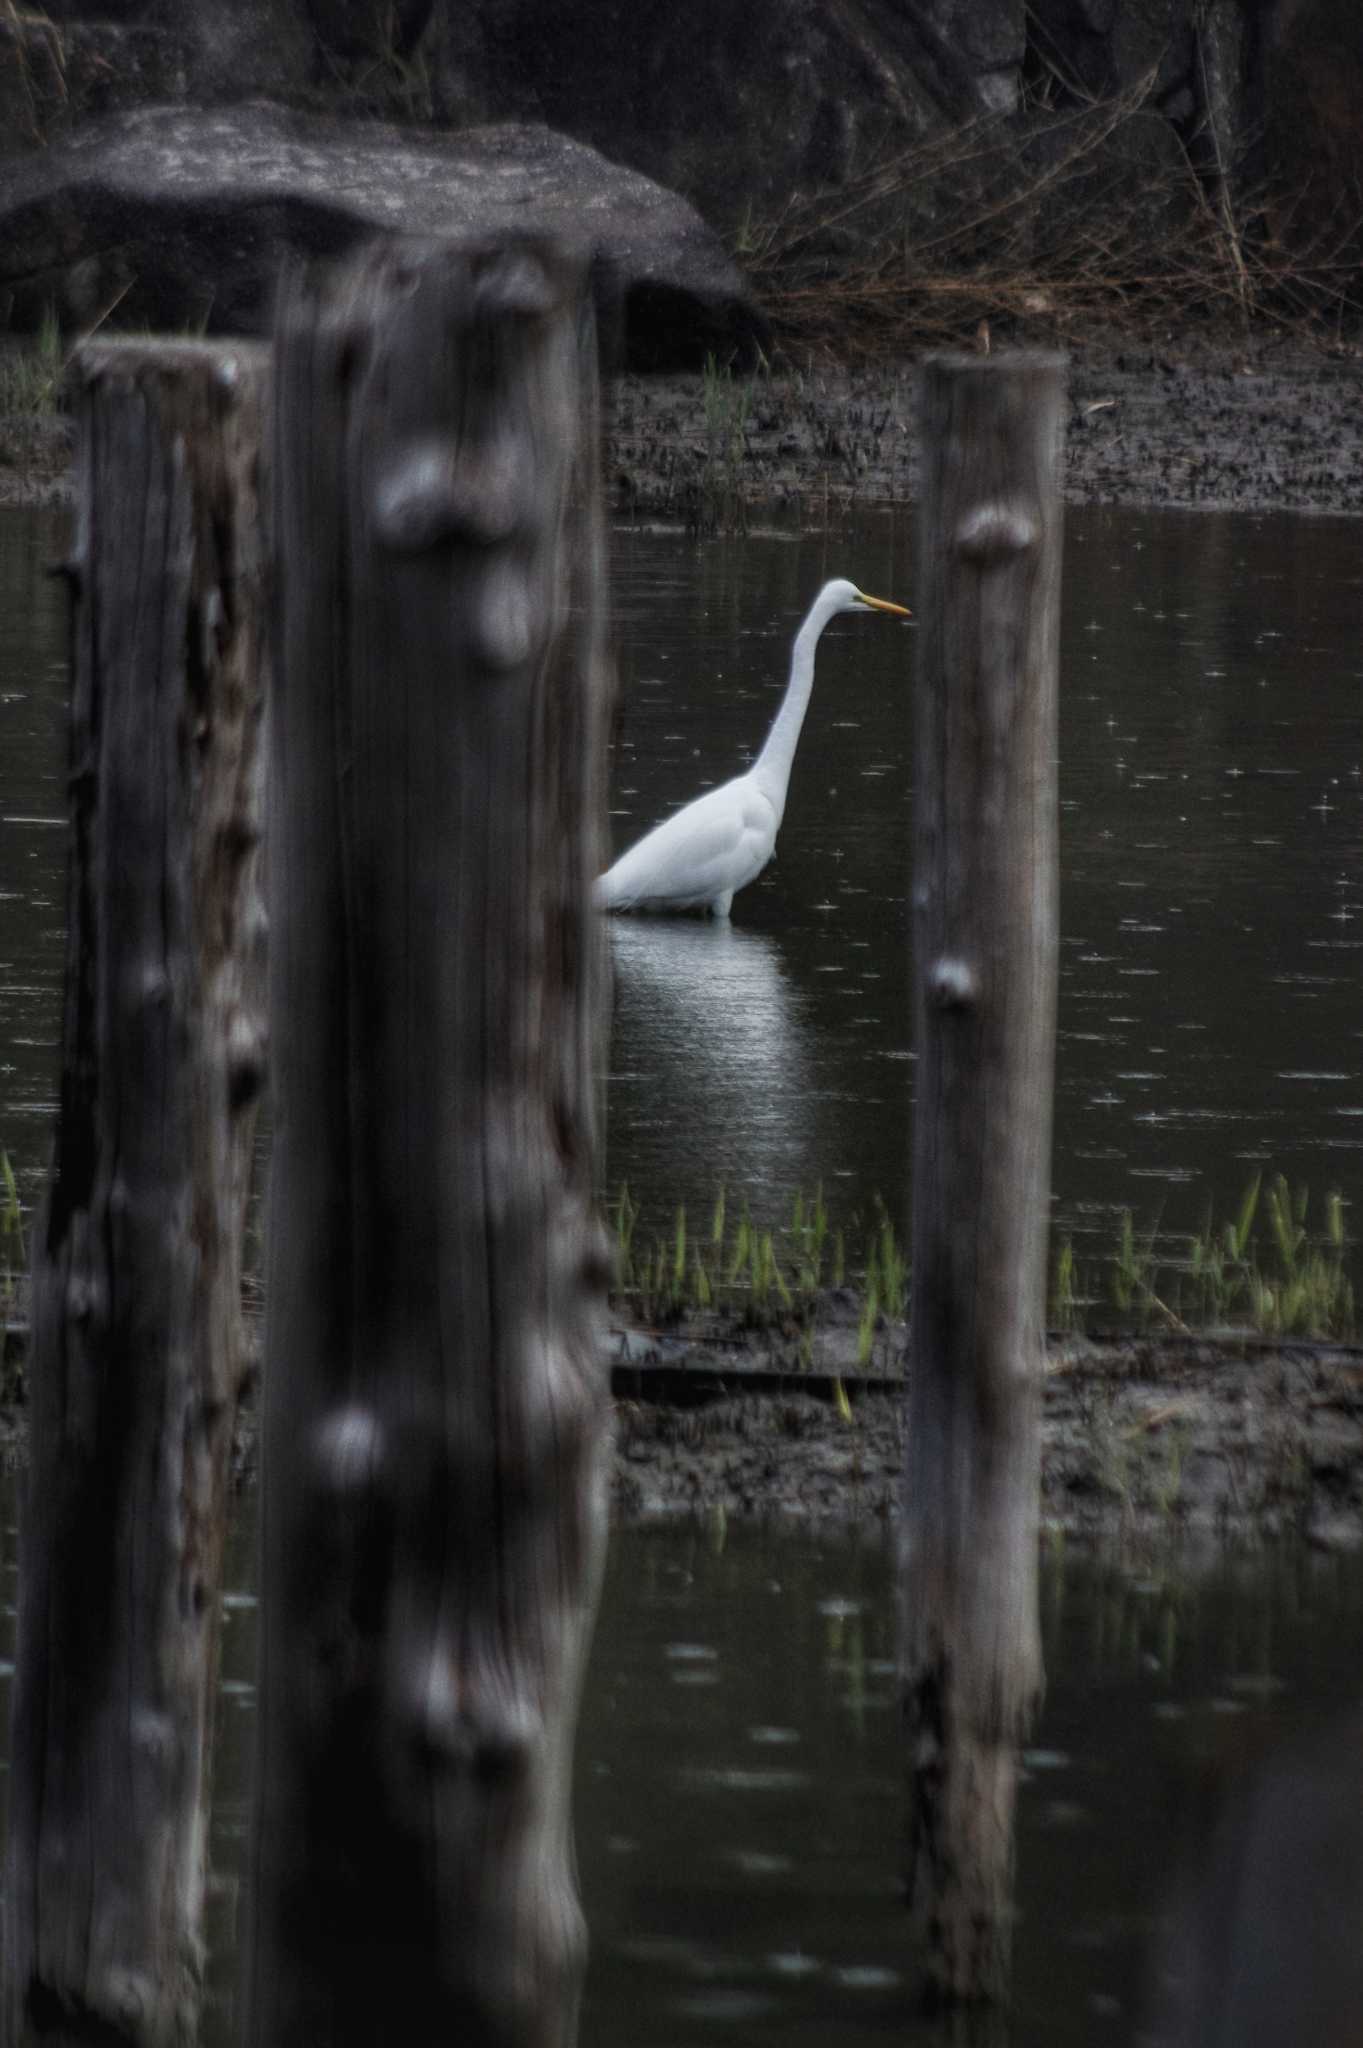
137	1354
435	1405
985	944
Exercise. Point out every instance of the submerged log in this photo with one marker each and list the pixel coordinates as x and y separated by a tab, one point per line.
137	1354
435	1408
985	947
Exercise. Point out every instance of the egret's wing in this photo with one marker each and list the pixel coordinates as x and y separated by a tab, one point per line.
714	845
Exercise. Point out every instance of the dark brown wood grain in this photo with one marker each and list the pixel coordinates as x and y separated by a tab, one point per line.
985	951
435	1408
137	1352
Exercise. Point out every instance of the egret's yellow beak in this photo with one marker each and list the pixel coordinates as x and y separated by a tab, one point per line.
882	604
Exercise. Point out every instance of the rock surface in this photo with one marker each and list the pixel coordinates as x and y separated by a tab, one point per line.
182	218
871	152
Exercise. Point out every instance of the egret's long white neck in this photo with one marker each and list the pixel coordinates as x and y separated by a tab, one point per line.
772	767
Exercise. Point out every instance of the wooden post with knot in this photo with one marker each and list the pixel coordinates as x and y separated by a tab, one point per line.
985	950
138	1354
435	1404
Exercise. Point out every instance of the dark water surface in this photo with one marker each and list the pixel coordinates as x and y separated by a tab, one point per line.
1212	834
739	1774
33	819
738	1779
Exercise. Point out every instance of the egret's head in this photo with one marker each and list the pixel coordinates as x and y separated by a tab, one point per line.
842	596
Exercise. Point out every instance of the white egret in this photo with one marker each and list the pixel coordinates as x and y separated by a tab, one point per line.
700	857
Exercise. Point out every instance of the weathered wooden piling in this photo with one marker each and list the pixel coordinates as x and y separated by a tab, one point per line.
137	1354
434	1405
985	948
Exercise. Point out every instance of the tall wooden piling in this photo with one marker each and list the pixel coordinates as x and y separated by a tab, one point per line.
137	1354
435	1408
985	948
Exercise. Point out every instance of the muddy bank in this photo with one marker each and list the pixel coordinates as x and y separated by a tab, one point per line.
1143	1441
1252	425
36	453
1146	1441
1247	426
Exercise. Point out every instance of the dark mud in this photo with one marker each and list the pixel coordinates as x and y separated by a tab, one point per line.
1249	426
36	452
1146	1441
1142	1440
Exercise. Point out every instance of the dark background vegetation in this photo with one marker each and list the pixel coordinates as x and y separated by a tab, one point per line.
880	169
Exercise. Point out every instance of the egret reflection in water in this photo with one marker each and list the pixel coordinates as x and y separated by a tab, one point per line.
710	1056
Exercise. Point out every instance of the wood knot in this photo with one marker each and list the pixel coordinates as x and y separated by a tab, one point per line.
993	532
128	1998
239	835
598	1260
83	1297
434	493
348	1448
463	1723
952	985
245	1061
213	627
505	623
153	1736
515	282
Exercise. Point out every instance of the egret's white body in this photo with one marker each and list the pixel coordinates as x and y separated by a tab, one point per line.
700	857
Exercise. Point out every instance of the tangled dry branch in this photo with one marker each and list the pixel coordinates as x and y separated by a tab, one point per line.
1097	215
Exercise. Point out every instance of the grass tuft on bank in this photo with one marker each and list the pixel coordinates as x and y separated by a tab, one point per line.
31	372
1279	1267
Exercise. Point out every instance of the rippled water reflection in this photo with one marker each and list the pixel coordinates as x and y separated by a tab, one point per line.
740	1842
738	1778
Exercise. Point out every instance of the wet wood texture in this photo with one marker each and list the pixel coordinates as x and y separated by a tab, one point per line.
435	1410
138	1355
985	898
